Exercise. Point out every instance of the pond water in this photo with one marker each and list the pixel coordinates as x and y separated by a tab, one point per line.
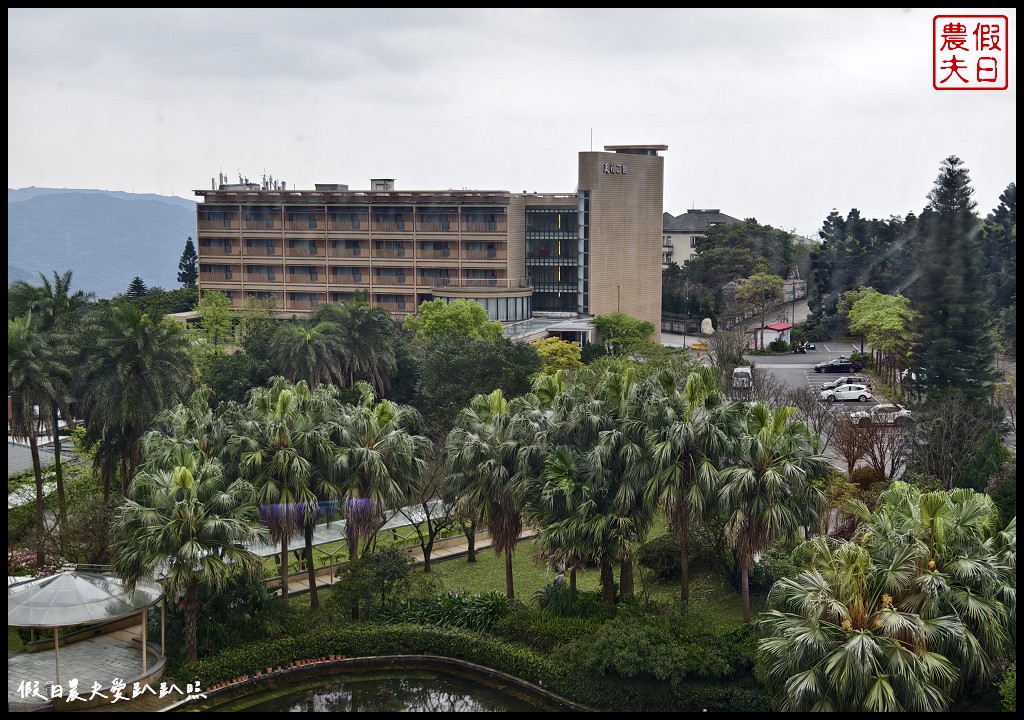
406	690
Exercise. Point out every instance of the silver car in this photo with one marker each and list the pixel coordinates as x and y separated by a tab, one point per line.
846	380
885	414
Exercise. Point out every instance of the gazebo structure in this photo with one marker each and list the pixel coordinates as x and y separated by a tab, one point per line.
100	604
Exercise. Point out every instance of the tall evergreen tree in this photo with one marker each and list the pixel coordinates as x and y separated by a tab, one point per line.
999	245
951	294
188	265
136	288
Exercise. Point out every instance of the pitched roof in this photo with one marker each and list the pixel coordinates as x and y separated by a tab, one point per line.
778	326
696	220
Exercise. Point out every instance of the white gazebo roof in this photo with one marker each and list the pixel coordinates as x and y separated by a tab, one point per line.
73	597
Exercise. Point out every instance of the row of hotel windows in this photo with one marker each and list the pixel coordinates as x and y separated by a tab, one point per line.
354	248
298	273
552	222
388	221
502	309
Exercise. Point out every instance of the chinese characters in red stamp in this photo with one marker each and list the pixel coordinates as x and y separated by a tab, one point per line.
970	52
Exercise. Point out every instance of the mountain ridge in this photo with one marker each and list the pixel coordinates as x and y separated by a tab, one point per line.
105	237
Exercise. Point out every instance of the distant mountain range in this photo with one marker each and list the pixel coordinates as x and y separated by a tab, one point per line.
104	237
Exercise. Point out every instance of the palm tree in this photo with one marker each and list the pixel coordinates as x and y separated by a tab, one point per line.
621	468
186	523
917	608
487	456
283	445
767	492
383	454
139	367
589	500
59	315
970	569
552	503
34	377
304	350
688	434
367	339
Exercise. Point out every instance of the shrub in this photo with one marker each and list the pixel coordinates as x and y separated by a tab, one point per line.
375	581
990	456
21	562
708	547
654	663
1002	488
453	609
864	477
775	564
1008	688
779	345
660	556
244	610
369	640
542	631
861	357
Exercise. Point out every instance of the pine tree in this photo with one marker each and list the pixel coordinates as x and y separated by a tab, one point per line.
956	351
136	289
188	265
999	243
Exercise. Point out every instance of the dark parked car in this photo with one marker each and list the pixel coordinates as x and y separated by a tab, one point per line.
839	365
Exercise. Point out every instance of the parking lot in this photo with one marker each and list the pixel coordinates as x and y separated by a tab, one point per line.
797	371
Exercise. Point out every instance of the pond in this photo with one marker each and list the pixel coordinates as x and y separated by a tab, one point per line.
390	690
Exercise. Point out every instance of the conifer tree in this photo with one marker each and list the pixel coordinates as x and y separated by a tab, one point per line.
136	288
956	352
188	265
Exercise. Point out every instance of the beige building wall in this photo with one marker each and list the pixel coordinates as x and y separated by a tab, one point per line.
516	238
625	226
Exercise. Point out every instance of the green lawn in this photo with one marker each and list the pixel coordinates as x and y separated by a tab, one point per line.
712	598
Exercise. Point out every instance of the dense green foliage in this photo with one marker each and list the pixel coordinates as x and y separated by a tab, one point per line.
1008	688
916	610
458	317
593	457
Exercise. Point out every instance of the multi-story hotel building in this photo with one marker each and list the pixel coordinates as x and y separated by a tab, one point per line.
590	252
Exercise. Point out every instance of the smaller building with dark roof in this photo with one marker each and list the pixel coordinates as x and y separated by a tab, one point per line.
680	233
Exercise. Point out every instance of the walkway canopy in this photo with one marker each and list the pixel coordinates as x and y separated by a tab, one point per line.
334	531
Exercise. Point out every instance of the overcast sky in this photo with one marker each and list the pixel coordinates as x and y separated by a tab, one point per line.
780	115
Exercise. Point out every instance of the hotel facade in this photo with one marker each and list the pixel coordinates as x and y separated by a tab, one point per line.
590	252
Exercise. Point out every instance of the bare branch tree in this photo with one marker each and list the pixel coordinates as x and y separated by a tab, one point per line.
886	449
945	434
768	388
818	416
725	349
849	442
427	511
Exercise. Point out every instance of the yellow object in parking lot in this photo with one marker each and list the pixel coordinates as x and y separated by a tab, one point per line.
699	346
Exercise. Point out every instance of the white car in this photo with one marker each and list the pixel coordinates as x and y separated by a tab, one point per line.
860	393
888	414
